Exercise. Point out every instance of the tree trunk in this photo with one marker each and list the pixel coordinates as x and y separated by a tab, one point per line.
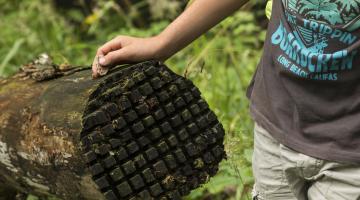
40	124
141	132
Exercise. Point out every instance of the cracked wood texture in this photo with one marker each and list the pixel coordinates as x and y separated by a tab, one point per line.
40	124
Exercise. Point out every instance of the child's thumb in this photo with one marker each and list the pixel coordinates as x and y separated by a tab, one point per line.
112	58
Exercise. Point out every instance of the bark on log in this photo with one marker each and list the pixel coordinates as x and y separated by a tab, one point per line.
44	125
40	124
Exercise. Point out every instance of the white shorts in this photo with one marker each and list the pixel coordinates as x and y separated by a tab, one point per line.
284	174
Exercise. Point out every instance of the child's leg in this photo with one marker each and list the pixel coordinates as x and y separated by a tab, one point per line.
271	182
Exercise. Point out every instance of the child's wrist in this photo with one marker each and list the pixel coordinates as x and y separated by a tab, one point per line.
162	49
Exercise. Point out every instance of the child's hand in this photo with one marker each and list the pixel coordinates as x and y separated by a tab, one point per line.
125	49
199	17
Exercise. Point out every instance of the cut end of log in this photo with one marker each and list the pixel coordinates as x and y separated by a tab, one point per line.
148	134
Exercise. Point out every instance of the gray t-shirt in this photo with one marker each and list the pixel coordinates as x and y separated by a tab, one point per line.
306	89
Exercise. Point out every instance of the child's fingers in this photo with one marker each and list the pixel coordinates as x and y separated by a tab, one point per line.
110	54
110	46
114	58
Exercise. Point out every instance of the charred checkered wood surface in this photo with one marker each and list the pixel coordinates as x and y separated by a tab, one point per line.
148	134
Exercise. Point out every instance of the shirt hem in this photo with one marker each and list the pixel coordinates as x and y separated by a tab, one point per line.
307	149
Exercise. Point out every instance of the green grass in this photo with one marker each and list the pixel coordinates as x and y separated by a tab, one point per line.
221	64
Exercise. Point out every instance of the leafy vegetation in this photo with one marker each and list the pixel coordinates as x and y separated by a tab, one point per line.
221	64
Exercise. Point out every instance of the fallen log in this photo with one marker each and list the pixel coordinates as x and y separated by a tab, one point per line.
141	132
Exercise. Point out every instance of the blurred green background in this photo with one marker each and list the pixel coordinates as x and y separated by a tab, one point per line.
220	63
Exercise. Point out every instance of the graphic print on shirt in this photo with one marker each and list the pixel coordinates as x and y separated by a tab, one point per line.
314	24
334	12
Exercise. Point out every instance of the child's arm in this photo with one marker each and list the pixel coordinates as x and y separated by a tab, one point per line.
199	17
